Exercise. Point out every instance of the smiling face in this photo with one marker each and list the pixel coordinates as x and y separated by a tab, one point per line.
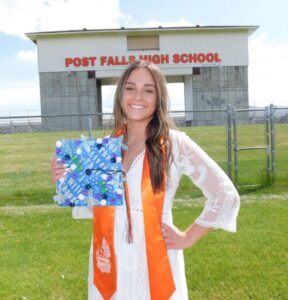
139	96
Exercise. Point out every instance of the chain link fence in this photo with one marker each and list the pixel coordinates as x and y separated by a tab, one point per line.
243	142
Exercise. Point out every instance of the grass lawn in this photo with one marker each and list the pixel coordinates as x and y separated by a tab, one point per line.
44	252
24	160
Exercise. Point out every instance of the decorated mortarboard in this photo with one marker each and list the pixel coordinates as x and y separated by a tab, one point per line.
94	172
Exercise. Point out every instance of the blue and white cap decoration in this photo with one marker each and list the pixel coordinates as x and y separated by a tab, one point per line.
94	172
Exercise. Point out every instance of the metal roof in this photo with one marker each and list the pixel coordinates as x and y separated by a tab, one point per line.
35	35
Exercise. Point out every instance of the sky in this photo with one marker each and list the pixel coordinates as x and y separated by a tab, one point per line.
19	79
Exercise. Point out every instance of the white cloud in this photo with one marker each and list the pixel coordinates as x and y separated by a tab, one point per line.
18	16
30	55
74	14
267	72
24	96
108	98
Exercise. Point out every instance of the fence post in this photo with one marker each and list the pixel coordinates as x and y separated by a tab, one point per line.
267	143
11	127
235	148
273	148
229	140
90	127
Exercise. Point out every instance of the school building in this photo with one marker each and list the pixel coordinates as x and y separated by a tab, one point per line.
211	62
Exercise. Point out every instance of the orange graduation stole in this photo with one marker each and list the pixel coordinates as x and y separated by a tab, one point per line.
104	263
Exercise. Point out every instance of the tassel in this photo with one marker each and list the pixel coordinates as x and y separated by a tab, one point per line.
118	132
128	210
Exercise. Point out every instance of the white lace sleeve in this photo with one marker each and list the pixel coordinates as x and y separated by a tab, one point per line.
222	204
82	212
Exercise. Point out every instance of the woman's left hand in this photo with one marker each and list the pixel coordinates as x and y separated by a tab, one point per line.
174	238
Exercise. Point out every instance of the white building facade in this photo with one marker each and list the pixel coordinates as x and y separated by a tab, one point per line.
212	62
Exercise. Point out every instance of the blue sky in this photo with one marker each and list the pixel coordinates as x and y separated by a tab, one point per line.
268	46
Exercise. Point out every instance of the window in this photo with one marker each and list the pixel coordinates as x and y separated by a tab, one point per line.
91	74
147	42
196	71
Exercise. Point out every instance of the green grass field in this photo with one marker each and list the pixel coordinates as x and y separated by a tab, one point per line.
44	252
25	177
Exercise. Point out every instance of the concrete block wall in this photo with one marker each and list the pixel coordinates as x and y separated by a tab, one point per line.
215	88
65	93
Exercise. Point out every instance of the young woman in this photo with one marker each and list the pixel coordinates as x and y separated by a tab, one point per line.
136	251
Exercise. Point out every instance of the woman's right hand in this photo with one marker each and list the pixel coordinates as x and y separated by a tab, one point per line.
57	170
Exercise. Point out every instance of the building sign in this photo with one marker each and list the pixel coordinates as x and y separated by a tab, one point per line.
163	59
176	52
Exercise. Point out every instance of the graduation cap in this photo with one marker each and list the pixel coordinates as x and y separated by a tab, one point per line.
94	172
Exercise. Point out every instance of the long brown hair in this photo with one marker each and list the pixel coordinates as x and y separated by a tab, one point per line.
157	142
